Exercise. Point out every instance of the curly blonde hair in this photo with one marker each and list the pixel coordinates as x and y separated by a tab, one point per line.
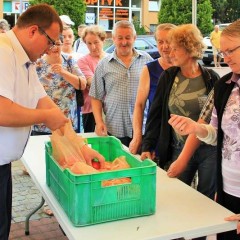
189	37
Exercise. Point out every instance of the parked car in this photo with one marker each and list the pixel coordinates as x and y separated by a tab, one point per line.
208	53
223	25
143	42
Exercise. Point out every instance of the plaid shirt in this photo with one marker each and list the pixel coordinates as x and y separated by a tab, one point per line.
207	109
116	86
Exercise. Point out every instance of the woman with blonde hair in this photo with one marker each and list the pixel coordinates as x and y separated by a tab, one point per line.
224	128
182	90
94	37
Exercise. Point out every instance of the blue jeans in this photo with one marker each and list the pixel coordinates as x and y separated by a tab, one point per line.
204	161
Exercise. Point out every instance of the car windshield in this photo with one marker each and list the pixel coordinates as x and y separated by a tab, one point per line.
107	43
152	40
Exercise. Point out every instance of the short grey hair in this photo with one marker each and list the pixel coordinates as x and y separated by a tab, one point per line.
4	25
123	24
164	27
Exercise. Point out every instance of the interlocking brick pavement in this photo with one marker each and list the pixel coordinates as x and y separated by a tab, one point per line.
26	198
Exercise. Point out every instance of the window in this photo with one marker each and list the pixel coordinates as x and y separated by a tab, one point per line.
153	6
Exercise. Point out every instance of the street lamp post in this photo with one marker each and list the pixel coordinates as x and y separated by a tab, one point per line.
194	12
21	7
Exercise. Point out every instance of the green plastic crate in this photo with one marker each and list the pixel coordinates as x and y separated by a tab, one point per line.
87	202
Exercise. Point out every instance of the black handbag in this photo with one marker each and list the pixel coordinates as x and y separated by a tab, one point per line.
80	98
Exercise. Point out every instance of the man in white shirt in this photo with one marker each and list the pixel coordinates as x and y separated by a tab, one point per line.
23	101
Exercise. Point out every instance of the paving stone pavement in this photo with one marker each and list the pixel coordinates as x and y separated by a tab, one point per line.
26	198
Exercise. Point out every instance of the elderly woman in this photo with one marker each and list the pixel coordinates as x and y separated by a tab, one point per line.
224	128
94	37
148	83
181	90
60	76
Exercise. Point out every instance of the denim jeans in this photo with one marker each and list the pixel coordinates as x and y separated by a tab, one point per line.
204	161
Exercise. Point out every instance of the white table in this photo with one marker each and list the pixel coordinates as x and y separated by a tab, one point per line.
181	211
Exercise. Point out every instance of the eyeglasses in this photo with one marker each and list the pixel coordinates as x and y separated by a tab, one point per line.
229	52
50	41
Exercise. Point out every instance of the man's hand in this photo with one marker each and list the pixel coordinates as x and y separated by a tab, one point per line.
101	129
89	154
135	145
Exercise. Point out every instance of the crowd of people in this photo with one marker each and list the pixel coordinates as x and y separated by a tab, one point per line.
172	110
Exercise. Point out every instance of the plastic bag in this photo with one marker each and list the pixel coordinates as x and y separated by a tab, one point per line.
65	145
118	164
82	168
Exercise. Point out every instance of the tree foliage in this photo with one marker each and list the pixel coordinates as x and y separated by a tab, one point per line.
226	11
180	12
219	7
140	30
75	9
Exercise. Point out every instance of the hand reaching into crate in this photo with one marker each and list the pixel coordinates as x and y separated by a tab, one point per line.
70	148
90	154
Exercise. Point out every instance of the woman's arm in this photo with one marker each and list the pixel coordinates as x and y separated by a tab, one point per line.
142	94
76	81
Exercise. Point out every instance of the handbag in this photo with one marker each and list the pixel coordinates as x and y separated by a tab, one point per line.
80	98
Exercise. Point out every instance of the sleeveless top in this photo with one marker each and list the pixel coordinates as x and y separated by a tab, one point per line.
155	70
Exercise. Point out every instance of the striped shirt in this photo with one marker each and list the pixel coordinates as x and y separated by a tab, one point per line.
116	86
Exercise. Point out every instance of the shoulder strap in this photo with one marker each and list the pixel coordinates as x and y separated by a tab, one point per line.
77	44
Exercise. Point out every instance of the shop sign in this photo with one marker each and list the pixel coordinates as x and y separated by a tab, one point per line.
90	18
16	7
104	2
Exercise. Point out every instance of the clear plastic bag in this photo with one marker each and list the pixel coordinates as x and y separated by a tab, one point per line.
66	146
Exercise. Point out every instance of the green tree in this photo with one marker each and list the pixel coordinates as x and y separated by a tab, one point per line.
180	12
140	30
75	9
219	8
231	11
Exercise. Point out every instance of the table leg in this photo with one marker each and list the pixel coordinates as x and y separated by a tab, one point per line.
30	214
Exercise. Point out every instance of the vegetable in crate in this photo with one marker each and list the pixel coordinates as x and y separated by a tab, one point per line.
96	164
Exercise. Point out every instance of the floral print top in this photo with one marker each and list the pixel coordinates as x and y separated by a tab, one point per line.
231	142
58	89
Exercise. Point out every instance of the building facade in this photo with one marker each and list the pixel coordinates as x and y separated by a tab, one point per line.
102	12
107	12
